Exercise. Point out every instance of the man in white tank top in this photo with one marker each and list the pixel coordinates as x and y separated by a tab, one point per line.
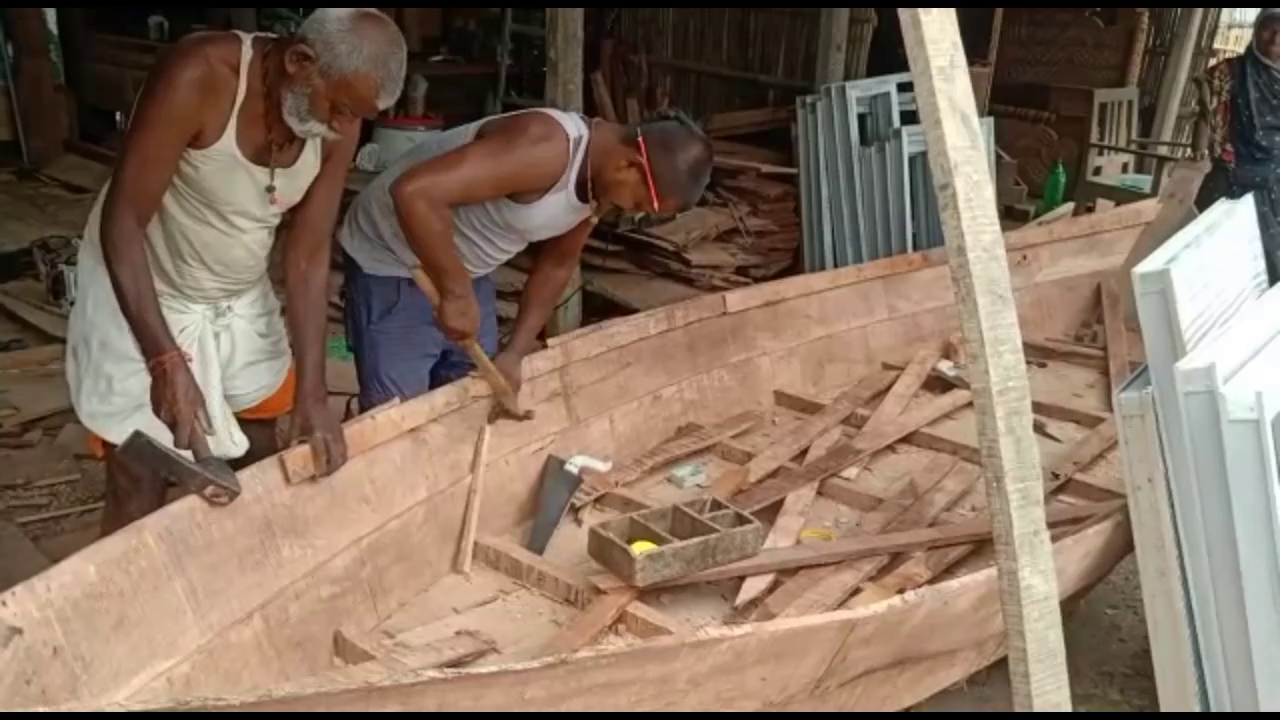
176	330
467	200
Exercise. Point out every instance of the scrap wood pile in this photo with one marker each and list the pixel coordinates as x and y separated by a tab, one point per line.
899	533
803	508
49	484
748	233
750	227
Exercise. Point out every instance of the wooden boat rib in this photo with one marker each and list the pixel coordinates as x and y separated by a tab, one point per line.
239	607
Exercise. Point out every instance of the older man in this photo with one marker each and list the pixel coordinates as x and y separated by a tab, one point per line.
176	330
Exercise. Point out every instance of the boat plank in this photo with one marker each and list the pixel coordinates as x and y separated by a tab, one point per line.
793	661
362	543
634	469
803	434
847	454
790	521
820	589
600	614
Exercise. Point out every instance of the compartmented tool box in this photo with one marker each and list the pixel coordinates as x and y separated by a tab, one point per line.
686	538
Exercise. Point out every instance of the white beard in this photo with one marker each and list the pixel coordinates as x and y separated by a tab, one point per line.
295	106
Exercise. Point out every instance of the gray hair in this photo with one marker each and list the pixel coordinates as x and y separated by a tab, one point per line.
342	49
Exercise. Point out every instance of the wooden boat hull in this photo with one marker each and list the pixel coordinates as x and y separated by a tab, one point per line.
199	602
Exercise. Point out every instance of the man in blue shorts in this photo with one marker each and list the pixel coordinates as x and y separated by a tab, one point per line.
465	201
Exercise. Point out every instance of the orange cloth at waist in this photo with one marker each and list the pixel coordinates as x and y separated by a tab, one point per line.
276	405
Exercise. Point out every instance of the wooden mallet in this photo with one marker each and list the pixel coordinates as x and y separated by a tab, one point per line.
507	403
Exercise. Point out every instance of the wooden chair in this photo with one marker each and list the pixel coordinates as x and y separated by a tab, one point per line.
1116	164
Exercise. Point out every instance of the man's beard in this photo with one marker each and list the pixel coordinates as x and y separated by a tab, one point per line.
295	106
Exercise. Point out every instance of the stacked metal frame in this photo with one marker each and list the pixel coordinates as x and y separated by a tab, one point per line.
1186	292
865	187
1228	399
1155	543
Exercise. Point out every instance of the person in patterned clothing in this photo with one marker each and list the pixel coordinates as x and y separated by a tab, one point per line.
1238	128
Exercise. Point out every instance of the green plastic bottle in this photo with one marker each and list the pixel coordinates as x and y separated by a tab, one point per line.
1054	187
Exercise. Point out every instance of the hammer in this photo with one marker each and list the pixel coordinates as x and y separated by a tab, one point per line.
209	476
507	405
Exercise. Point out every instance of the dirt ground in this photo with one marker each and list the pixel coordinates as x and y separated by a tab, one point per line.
1108	657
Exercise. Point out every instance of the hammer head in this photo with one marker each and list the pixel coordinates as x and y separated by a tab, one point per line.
212	478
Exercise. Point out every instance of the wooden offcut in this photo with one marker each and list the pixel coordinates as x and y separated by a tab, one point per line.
1010	459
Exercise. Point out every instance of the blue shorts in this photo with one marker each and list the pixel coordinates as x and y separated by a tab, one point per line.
391	330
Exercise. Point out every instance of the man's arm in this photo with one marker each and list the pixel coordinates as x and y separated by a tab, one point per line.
517	155
552	269
167	117
307	254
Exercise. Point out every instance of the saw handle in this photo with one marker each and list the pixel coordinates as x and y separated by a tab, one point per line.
502	390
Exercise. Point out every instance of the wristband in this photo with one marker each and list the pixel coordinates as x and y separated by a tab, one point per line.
164	359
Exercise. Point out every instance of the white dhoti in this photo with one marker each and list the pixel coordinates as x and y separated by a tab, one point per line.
208	245
239	350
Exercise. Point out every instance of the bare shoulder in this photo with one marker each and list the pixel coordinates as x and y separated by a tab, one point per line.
193	81
204	59
525	128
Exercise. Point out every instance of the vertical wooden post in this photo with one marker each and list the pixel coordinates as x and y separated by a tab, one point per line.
833	46
564	90
40	108
1177	68
993	342
993	47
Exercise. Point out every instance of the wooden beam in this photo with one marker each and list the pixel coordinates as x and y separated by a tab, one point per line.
1177	69
789	523
40	110
923	438
564	90
993	343
864	546
563	585
1177	208
846	454
833	46
802	435
1117	338
475	494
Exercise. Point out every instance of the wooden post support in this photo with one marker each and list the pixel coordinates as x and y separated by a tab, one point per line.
1177	68
40	108
564	90
833	46
993	342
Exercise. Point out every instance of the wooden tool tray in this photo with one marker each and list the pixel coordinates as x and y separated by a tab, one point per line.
690	537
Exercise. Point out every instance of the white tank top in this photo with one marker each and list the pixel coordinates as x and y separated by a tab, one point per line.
486	234
212	234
